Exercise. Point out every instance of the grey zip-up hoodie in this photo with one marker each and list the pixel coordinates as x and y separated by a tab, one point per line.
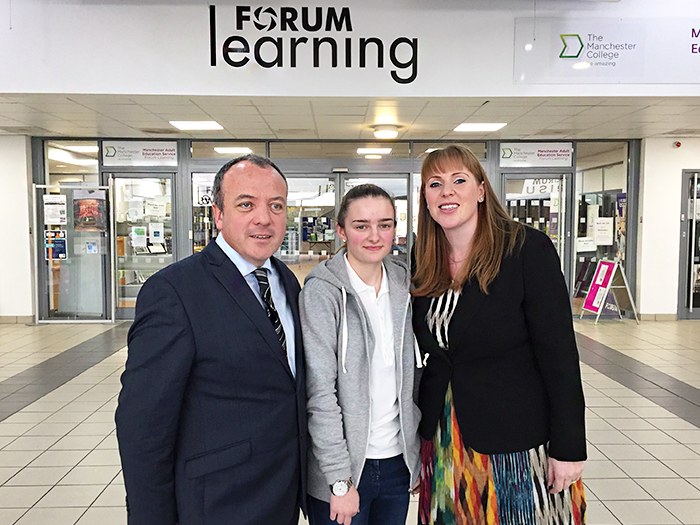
338	343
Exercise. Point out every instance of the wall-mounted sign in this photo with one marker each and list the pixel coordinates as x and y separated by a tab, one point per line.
55	209
536	154
55	245
138	153
607	50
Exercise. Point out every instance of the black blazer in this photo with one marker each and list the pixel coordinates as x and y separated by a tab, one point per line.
211	422
512	360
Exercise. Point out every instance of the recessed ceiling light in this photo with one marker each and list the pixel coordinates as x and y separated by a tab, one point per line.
528	46
581	65
82	149
232	150
480	126
373	157
373	151
196	125
386	131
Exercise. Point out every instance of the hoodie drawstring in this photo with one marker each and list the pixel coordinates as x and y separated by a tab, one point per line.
344	341
416	349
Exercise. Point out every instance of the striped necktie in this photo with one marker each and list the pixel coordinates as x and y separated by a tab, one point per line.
273	316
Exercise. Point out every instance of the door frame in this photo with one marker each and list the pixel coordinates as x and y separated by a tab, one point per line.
567	175
123	313
686	238
41	281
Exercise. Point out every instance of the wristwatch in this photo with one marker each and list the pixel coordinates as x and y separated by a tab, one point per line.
341	487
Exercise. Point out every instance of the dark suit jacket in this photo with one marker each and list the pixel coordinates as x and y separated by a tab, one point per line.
211	422
512	360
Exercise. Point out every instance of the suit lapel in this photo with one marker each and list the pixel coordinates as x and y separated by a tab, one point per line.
468	306
237	287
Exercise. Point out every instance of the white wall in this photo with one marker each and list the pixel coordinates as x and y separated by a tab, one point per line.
659	231
15	243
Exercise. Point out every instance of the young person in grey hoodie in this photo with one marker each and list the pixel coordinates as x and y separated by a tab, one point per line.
361	366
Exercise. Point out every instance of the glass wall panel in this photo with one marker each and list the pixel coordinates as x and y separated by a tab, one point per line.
144	233
203	226
539	202
600	212
74	253
71	161
225	150
347	150
421	149
311	235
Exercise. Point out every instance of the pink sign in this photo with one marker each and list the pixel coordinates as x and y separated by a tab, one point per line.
595	296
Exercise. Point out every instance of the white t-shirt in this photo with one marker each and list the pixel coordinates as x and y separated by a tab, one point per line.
384	403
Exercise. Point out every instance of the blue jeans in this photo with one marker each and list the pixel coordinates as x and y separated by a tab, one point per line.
383	492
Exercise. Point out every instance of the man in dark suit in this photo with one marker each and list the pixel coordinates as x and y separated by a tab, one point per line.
211	419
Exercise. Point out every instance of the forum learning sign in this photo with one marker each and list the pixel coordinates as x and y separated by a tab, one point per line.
259	36
607	51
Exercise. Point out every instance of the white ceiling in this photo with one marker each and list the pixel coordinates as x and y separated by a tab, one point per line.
147	116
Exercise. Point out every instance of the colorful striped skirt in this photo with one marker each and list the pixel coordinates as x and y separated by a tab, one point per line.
460	486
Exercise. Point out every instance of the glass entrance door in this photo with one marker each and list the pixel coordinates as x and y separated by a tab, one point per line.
72	223
689	300
143	231
539	201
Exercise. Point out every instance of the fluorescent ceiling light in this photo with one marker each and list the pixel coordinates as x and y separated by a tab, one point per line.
60	155
373	157
581	65
82	149
373	151
386	131
233	150
196	125
480	126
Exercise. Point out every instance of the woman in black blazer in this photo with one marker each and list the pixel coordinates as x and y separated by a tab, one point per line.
501	397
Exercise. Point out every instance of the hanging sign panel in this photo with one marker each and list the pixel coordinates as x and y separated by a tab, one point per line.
536	154
55	245
138	153
55	211
607	50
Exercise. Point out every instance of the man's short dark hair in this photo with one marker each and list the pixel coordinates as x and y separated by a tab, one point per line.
260	162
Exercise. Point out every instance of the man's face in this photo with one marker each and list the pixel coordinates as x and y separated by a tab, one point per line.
253	220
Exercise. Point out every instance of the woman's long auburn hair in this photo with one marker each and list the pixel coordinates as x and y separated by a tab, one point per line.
496	233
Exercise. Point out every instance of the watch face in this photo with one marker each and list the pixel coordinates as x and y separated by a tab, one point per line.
340	488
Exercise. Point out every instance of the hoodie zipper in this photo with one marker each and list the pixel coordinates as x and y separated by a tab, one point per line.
401	420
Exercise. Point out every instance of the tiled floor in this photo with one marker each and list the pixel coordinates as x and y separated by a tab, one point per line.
59	462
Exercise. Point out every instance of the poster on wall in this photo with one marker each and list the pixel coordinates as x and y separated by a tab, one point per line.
603	231
89	210
55	210
55	245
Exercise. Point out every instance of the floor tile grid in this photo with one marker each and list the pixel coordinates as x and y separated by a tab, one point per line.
672	347
75	475
638	471
657	467
22	347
